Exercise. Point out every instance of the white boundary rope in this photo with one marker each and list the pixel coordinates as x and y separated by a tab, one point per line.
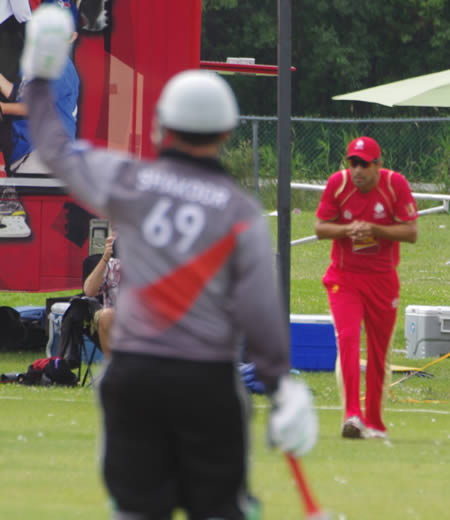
256	406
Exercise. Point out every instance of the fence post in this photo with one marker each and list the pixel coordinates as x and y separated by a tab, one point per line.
284	148
255	127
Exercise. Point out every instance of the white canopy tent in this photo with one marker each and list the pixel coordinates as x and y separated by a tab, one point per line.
430	90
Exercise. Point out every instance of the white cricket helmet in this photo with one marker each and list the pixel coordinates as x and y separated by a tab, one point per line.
199	102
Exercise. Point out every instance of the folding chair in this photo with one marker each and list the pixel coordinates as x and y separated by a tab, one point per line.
89	357
75	330
76	344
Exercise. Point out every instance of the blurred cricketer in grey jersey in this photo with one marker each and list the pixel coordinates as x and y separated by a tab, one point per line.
196	273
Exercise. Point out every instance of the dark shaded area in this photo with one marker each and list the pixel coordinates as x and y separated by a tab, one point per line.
73	223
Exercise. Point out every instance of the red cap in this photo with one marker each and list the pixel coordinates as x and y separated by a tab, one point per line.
364	147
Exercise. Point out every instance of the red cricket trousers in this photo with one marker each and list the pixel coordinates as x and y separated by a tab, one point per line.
372	299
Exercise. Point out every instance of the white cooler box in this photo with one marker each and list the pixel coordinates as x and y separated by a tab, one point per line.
427	331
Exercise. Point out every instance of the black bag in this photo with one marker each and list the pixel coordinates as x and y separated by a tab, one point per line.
17	333
35	336
44	372
12	329
55	372
75	320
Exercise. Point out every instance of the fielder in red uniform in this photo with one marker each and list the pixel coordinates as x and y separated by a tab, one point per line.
366	210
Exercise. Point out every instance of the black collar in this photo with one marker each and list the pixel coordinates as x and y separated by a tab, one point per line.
211	164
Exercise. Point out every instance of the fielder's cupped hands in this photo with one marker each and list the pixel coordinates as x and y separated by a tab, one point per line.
359	230
293	422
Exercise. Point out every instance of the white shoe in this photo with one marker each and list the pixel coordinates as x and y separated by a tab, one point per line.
373	433
353	428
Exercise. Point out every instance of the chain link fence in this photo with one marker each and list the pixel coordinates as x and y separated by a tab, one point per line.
419	148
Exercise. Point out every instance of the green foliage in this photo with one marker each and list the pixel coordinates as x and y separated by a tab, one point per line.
418	149
337	47
239	161
442	168
215	5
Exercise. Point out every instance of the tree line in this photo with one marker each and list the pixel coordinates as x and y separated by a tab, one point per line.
338	46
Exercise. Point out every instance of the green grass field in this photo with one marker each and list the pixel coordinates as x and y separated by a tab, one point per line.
49	437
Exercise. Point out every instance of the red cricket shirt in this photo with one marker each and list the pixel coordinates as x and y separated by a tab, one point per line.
389	202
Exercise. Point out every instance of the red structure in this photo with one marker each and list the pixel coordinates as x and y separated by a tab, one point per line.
122	70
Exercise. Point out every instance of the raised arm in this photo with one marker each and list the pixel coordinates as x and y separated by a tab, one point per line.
89	173
94	281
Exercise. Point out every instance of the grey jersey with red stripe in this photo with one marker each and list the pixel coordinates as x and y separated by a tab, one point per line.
196	255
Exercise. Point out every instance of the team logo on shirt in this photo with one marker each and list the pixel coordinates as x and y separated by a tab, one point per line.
379	211
348	215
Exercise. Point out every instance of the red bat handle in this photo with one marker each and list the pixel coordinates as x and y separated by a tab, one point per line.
310	503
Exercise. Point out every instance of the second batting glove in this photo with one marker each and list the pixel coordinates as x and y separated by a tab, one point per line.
293	422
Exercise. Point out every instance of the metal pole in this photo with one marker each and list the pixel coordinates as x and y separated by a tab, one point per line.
284	147
255	126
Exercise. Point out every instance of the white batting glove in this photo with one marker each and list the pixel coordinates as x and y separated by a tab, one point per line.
47	42
293	422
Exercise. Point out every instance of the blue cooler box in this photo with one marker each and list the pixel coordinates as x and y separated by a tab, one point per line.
54	330
313	342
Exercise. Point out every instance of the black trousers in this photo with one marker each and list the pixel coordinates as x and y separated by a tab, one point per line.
175	436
